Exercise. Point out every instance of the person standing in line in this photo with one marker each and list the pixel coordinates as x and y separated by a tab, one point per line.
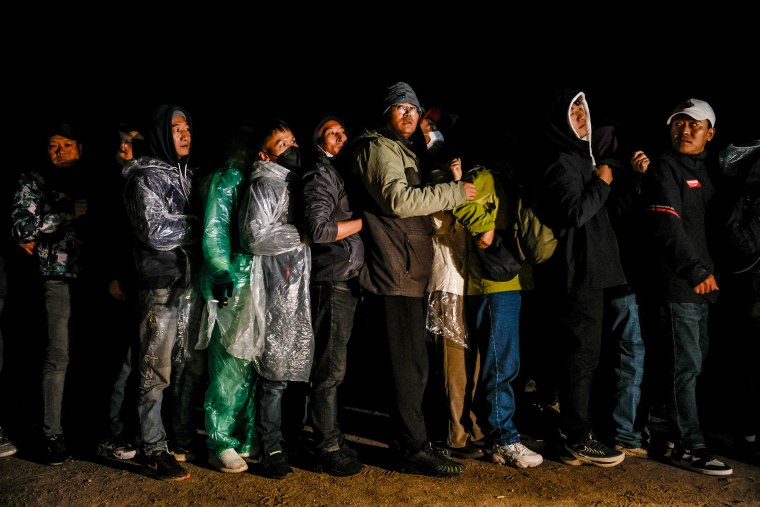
49	221
337	256
283	338
585	263
119	276
681	281
229	402
6	446
740	284
157	196
454	360
625	327
492	310
398	256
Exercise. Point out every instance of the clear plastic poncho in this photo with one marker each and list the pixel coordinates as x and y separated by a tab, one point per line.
283	346
445	290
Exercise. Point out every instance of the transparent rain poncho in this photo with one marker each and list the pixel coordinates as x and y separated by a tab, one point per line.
445	290
283	345
157	198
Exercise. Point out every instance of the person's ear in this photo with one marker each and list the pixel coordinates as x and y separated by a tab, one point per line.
263	155
710	133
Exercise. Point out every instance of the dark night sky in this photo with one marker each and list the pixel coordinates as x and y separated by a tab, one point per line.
503	80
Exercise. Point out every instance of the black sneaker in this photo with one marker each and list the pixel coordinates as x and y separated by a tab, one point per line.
430	460
276	465
345	448
339	463
591	452
165	466
468	451
700	461
55	450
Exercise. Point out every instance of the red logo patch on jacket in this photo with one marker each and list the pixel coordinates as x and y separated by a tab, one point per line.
693	183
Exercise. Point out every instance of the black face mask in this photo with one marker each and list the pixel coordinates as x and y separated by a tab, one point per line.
290	158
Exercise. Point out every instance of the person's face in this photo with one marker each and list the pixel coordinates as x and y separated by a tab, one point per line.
689	136
426	126
276	144
181	133
63	152
403	119
333	137
578	118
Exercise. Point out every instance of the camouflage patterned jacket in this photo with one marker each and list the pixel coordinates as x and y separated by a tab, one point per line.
42	216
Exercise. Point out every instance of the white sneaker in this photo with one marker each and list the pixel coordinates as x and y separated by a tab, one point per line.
516	455
228	462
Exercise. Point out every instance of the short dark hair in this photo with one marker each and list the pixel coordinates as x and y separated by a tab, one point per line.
267	129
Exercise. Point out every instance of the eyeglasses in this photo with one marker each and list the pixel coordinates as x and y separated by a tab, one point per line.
412	110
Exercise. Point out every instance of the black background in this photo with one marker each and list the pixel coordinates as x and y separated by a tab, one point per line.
229	68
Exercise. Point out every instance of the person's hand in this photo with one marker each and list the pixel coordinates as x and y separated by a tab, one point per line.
706	286
456	168
640	162
604	172
116	291
222	292
469	190
485	239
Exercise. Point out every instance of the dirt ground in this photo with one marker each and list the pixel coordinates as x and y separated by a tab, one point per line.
87	481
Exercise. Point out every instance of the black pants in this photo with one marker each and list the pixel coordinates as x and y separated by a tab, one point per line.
580	325
401	320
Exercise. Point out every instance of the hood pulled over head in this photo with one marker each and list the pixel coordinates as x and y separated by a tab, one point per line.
160	137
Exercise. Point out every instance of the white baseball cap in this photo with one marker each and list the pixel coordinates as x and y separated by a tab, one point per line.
696	109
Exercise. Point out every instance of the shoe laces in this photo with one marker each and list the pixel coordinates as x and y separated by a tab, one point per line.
594	446
516	448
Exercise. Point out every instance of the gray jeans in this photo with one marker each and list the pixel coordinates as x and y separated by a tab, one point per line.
168	332
58	314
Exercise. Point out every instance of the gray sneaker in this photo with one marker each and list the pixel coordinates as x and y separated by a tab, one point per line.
516	455
6	446
116	448
228	461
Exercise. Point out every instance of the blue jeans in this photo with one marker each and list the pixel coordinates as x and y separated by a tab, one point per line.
629	368
333	305
58	314
268	416
684	327
493	320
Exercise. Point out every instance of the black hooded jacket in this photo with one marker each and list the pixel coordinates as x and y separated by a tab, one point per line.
157	198
325	204
574	203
